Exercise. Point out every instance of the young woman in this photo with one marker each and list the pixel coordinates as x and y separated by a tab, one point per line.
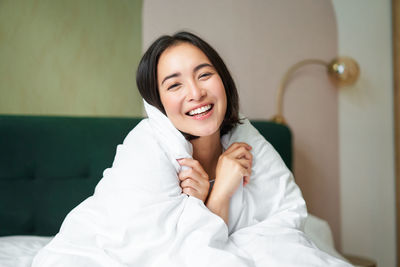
192	185
196	92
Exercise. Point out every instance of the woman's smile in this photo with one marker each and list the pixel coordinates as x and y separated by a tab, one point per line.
202	112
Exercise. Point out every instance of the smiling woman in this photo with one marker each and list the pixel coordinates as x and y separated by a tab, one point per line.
192	94
155	205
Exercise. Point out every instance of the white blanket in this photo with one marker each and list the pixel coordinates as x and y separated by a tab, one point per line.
139	217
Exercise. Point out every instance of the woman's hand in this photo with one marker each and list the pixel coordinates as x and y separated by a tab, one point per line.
234	166
194	181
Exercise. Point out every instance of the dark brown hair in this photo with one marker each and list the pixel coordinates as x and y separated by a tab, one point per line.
146	76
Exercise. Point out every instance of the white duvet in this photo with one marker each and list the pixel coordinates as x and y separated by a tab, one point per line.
139	217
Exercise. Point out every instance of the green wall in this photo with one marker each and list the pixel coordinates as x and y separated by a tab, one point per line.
70	57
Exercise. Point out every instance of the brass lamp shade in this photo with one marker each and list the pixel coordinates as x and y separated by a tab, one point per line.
343	71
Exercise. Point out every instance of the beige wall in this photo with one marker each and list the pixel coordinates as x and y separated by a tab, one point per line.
366	132
69	57
260	40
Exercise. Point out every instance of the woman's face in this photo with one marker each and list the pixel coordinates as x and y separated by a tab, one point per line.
191	90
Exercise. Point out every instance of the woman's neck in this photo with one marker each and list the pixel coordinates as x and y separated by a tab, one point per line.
206	150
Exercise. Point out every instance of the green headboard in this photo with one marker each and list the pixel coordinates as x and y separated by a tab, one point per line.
48	165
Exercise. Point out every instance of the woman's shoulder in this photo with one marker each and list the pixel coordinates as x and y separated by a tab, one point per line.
140	133
140	161
140	146
143	139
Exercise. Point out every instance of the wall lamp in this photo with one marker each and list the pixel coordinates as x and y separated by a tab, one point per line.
342	71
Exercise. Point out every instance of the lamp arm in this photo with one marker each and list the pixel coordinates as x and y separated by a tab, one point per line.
279	99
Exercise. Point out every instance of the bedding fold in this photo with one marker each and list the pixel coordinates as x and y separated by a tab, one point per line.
138	215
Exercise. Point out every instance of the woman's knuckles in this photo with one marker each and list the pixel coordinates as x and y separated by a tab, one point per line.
190	172
189	190
196	163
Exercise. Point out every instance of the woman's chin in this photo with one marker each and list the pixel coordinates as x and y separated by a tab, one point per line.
204	132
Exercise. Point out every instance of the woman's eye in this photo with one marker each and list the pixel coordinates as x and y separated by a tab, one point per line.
173	86
204	75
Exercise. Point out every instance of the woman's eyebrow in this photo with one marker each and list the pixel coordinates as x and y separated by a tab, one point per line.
176	74
202	66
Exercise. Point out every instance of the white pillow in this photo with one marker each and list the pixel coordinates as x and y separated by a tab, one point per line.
19	251
318	231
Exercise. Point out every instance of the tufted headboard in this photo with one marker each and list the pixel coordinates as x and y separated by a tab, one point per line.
48	165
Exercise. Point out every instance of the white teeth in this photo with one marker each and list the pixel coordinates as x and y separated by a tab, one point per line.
199	110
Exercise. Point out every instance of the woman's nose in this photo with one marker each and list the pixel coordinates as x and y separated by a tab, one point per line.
195	92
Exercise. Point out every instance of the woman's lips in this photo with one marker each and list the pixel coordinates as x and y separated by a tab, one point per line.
204	115
199	109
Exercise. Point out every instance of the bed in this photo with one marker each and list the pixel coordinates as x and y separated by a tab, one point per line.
49	164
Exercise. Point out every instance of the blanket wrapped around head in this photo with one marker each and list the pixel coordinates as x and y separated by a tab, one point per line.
138	215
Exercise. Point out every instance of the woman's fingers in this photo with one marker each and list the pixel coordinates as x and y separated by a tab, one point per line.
191	192
191	173
246	164
195	189
194	181
233	165
189	182
237	145
195	165
241	152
